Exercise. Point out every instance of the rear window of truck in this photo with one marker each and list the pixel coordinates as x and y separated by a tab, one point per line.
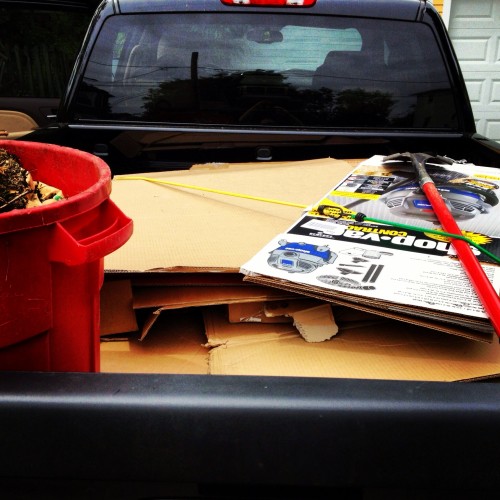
266	71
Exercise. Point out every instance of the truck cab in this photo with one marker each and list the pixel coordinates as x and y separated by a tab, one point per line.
164	85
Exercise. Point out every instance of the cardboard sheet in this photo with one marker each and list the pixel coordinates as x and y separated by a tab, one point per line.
254	312
184	229
174	345
183	261
391	352
316	324
117	314
122	298
400	270
188	296
423	319
165	298
313	319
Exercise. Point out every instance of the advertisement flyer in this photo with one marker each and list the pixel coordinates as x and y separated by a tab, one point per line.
403	259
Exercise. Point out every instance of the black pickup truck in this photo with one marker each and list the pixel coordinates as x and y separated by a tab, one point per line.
162	85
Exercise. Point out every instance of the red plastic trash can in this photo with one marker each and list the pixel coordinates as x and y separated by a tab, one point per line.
51	262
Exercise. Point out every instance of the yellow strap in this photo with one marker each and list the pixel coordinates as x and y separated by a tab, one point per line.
209	190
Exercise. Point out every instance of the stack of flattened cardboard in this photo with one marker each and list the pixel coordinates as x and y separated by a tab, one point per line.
174	301
392	261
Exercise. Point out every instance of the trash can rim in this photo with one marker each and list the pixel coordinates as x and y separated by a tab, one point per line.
87	199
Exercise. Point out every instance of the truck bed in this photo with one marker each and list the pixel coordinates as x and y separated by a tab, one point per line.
194	435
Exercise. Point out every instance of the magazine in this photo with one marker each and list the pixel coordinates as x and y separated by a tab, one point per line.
400	264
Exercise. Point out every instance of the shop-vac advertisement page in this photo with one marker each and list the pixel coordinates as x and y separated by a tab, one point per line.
401	258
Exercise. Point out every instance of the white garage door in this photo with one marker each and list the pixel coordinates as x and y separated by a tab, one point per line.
474	28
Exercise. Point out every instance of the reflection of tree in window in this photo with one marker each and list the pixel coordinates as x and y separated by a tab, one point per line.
347	108
259	97
360	108
92	102
183	100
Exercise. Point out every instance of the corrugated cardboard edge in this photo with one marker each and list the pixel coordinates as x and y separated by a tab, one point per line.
203	296
116	308
386	352
175	346
387	313
315	324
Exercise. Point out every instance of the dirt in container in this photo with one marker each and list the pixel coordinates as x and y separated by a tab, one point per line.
18	189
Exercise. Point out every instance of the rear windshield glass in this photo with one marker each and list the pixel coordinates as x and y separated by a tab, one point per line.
288	70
